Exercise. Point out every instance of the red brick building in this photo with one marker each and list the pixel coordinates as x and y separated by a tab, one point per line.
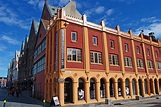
103	62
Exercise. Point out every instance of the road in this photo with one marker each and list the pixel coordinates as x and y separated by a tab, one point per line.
23	100
26	101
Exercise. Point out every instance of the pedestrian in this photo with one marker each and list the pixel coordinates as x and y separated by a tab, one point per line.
12	92
17	92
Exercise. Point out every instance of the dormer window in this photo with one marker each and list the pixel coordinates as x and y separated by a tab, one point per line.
74	36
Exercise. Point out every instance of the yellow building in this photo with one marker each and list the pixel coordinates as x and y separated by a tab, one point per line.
101	61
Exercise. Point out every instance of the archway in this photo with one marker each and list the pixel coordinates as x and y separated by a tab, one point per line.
92	89
112	87
102	88
81	89
156	86
134	86
159	85
119	81
140	87
127	87
151	86
145	86
68	90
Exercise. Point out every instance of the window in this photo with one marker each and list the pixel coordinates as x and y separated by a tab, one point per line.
158	64
127	62
126	48
140	63
96	57
113	59
148	52
95	41
150	64
138	50
112	44
74	54
39	66
156	54
74	36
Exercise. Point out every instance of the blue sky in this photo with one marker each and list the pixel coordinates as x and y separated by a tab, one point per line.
16	17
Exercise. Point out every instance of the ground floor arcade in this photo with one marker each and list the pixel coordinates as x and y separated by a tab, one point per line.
96	87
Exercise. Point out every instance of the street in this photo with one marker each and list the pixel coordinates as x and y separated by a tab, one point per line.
23	100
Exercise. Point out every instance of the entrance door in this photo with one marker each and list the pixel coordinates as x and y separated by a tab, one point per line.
68	91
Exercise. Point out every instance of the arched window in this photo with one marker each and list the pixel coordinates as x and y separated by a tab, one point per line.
145	86
92	89
112	88
102	88
119	87
127	87
81	89
134	87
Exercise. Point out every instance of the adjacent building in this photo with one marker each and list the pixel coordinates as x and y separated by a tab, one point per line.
101	61
12	77
3	82
48	13
65	53
26	60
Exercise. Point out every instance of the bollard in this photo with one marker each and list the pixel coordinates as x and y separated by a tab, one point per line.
4	103
44	103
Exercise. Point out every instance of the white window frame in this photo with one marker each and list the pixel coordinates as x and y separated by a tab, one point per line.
95	40
150	64
74	54
126	47
127	62
138	50
112	44
158	64
75	38
140	63
113	59
96	57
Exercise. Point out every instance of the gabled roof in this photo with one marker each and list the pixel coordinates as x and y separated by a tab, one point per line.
36	26
70	10
52	10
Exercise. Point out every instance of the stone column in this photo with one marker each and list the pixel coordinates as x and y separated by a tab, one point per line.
75	92
87	91
98	91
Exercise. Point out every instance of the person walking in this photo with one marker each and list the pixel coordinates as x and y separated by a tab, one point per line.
17	92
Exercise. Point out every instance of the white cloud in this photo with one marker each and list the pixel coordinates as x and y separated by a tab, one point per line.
150	20
155	27
38	3
99	9
8	16
109	12
9	40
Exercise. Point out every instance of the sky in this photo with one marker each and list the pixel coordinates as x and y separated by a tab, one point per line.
16	17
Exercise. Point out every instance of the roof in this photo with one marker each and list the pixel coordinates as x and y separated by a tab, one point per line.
52	10
36	26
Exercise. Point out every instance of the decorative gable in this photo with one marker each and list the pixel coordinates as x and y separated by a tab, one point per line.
70	10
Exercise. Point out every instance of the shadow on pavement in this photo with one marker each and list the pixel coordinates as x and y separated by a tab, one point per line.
24	98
